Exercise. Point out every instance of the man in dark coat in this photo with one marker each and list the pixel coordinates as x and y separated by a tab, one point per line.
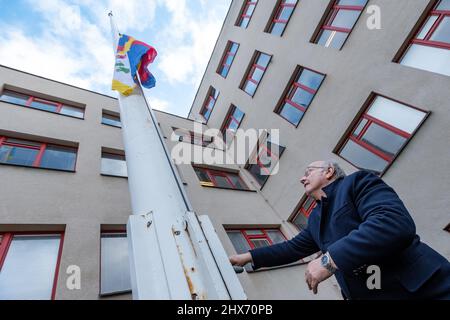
367	237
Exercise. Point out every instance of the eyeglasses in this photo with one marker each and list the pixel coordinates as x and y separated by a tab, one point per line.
311	169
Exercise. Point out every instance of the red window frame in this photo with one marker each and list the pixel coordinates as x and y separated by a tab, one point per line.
254	66
225	57
441	14
212	173
58	105
209	98
230	119
302	210
243	12
292	91
41	149
262	147
5	243
263	236
331	15
276	17
370	120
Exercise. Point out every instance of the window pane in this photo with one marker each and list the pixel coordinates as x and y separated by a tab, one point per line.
44	106
360	127
263	60
115	266
236	181
427	26
428	58
310	79
206	113
202	175
17	155
244	22
234	47
114	165
291	113
363	158
302	97
257	74
249	10
13	97
29	269
250	88
300	221
396	114
221	181
111	120
333	39
444	5
240	244
238	114
277	28
224	71
59	158
383	139
258	243
258	173
352	2
285	13
72	111
254	232
229	60
345	18
276	236
442	33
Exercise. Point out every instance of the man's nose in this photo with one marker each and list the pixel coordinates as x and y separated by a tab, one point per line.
303	180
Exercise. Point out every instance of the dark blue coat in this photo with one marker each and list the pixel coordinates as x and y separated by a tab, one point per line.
363	222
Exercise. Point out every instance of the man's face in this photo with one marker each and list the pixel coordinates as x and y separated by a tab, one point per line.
314	177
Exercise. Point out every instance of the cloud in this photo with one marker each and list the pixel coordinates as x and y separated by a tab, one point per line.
158	104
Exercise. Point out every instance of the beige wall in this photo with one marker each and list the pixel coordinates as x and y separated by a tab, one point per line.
84	200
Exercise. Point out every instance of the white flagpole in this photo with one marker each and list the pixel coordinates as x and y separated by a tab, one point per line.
170	257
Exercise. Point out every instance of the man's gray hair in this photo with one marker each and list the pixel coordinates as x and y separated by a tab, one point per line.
338	171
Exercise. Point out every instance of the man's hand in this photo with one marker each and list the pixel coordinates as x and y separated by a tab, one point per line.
240	259
315	274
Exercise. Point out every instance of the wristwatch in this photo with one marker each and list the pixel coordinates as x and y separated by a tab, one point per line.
326	263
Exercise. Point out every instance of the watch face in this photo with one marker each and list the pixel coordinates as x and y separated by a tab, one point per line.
324	260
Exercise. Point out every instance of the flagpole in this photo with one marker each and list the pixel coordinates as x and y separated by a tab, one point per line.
170	257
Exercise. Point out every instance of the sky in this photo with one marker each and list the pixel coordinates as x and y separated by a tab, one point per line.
70	41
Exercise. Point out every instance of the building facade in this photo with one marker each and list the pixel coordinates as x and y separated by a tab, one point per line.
362	82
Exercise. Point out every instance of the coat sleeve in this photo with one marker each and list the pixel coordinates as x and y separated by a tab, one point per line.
386	228
285	252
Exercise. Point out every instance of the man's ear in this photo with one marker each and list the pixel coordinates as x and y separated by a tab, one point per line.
330	173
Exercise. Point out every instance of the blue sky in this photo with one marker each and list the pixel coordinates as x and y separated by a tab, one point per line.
70	41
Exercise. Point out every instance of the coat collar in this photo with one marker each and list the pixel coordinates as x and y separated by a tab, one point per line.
330	190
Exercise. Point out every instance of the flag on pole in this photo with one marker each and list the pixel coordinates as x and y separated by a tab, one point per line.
131	56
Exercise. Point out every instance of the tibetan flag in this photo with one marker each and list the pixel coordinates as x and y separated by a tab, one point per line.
132	56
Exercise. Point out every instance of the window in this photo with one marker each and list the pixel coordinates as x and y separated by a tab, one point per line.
339	22
380	134
227	59
41	104
111	119
114	165
29	265
210	102
220	179
430	47
300	217
37	154
232	121
115	265
300	95
245	239
281	16
254	75
193	138
267	156
246	13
